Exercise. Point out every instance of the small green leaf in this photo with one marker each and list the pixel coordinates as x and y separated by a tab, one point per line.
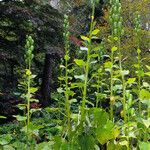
148	67
138	51
2	117
94	55
69	92
147	73
61	78
73	101
34	100
22	106
144	94
85	38
140	73
114	49
80	62
125	72
95	32
146	122
108	64
131	80
82	77
20	118
67	57
60	90
33	89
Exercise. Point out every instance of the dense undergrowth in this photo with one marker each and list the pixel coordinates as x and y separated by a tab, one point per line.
99	104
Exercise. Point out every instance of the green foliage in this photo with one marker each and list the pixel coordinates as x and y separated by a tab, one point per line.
77	120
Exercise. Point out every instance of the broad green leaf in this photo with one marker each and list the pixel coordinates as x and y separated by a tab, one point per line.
20	118
105	133
99	117
95	32
144	145
32	129
44	146
8	147
86	142
131	80
82	77
144	94
85	38
80	62
5	139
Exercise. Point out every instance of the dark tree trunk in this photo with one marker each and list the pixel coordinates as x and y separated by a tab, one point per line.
53	54
46	81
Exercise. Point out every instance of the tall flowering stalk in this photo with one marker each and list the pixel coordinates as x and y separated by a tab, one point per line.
66	42
117	31
137	31
28	59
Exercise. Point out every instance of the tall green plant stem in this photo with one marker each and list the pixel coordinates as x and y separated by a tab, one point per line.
87	68
111	87
123	81
98	90
139	77
28	95
66	94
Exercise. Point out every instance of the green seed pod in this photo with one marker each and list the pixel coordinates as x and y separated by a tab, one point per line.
32	56
116	17
110	20
113	17
117	1
110	11
32	48
66	17
119	9
115	25
119	25
28	44
122	32
139	26
139	16
121	19
115	9
115	31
